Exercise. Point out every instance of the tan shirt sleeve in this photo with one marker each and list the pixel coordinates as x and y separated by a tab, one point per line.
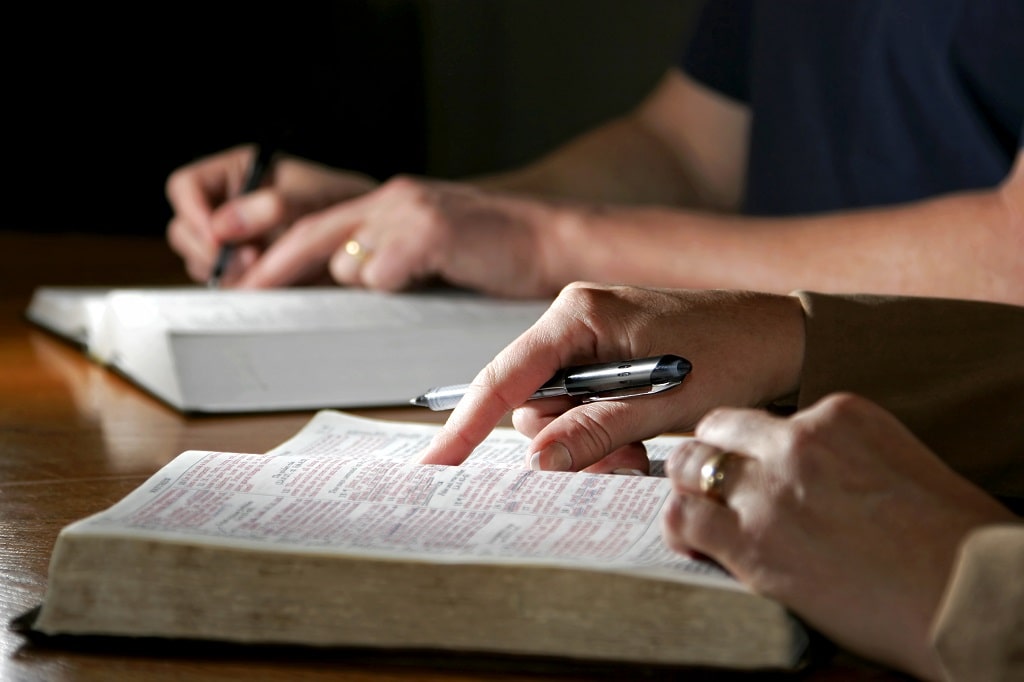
952	371
978	631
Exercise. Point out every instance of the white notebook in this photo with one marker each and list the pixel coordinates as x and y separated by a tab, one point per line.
205	350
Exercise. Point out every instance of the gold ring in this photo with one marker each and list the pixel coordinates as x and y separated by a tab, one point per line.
712	474
357	250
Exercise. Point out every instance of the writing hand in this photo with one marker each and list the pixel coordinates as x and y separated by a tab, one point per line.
208	210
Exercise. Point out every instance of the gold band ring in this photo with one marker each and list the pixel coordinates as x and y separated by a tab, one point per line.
357	250
713	474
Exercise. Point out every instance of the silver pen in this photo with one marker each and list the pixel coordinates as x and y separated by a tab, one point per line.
589	383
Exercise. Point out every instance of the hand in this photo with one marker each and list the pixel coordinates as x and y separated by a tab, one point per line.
839	512
746	350
413	230
208	212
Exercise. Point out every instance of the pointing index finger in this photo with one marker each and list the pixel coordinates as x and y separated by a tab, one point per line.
507	382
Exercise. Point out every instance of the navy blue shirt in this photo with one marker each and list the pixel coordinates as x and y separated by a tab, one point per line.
867	102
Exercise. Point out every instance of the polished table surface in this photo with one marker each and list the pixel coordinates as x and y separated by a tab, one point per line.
75	438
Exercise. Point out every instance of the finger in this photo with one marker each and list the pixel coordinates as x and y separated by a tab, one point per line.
505	383
302	251
405	247
754	433
368	239
501	386
696	467
587	433
392	241
241	259
684	464
530	421
628	460
693	524
189	199
194	246
196	189
346	263
249	217
190	240
530	418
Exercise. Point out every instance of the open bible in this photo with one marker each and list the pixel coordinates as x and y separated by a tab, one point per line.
210	350
337	538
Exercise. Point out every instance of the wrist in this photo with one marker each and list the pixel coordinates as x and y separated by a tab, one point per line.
783	389
564	241
578	246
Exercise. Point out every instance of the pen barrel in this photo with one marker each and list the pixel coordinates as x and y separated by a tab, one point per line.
444	397
618	376
590	382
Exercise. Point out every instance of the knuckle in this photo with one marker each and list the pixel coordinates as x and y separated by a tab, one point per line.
276	207
173	232
711	420
490	376
591	438
806	447
804	435
174	180
681	465
402	185
593	305
583	295
837	405
804	440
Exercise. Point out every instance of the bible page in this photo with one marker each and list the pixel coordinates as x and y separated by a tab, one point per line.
357	506
331	432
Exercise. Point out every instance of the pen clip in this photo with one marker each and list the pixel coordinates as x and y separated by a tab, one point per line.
632	392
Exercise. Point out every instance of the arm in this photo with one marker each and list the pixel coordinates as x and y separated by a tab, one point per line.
953	370
967	245
684	145
683	149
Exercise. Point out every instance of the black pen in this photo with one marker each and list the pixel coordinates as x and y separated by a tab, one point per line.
253	177
589	383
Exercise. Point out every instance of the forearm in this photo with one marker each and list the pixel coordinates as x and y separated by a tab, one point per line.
620	162
962	246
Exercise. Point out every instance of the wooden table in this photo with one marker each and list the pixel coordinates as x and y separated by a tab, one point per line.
75	438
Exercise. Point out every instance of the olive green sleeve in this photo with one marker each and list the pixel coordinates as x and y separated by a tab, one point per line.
978	631
952	371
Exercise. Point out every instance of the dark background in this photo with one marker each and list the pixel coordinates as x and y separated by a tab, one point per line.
101	103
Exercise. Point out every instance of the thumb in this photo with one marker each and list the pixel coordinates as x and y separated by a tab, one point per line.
587	434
